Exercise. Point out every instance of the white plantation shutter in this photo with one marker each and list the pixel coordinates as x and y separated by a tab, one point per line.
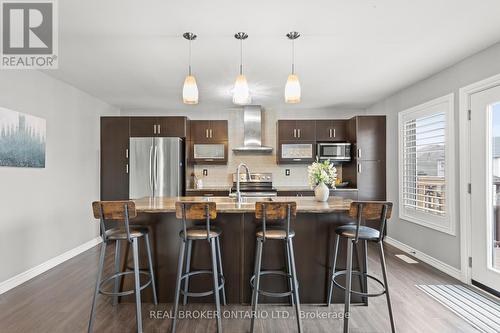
426	164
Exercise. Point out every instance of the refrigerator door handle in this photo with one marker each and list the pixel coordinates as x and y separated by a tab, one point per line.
155	175
150	169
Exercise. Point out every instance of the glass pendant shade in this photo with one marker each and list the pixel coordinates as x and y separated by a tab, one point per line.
190	90
241	92
292	89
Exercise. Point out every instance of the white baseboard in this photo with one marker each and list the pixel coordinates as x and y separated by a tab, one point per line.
45	266
443	267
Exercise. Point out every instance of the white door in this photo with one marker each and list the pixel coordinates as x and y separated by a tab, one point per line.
485	185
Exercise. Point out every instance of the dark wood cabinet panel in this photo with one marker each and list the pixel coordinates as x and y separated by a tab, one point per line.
114	158
331	130
218	130
143	126
209	130
173	127
200	130
306	130
371	180
287	130
370	138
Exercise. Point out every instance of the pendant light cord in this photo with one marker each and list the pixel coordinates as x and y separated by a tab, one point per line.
189	58
293	56
241	56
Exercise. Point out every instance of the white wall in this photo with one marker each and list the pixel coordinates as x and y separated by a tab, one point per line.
221	174
45	212
441	246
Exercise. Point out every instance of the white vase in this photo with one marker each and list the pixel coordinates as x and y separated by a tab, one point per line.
321	192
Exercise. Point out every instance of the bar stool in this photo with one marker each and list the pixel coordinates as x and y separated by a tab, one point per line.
121	211
275	212
199	211
362	211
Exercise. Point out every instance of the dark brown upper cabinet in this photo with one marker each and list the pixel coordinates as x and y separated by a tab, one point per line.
331	130
296	130
370	138
114	158
159	126
208	131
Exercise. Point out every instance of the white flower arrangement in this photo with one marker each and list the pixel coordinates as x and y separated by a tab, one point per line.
321	172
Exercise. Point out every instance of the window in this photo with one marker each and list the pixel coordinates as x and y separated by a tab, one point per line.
426	165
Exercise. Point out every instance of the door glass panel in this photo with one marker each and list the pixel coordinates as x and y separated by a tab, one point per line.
494	223
212	151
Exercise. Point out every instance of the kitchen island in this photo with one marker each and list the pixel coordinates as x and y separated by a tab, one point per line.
314	243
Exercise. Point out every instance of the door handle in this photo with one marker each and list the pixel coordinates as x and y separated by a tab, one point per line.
156	169
359	167
151	169
359	152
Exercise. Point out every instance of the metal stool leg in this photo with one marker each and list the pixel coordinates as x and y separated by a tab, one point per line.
365	271
384	273
178	283
150	262
189	246
117	270
99	276
135	250
221	272
289	271
216	283
295	284
348	285
255	294
330	289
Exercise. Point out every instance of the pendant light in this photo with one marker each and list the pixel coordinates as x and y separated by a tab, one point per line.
190	89
241	92
292	87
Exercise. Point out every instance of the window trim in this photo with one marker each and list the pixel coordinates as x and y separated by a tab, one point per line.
448	223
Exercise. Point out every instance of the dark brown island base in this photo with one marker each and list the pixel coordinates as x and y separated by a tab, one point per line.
313	244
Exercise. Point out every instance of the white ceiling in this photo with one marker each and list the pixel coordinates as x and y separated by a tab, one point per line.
352	53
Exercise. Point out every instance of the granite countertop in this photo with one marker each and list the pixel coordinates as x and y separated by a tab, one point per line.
211	188
307	188
228	205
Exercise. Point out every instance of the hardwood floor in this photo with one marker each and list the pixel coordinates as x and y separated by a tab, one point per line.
59	301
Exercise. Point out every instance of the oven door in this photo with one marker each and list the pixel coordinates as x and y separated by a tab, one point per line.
334	151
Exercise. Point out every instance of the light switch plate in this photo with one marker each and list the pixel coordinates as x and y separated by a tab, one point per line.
287	172
205	172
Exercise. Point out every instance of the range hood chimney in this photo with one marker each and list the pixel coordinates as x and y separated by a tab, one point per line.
252	119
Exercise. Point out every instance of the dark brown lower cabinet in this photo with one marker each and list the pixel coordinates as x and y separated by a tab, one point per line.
114	158
371	180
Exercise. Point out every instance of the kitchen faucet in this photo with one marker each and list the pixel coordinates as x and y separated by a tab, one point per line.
238	192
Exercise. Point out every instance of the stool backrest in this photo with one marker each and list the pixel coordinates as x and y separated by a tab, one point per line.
116	211
275	211
196	211
370	211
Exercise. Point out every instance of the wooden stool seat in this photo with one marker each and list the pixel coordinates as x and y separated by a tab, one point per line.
200	233
364	233
121	233
275	233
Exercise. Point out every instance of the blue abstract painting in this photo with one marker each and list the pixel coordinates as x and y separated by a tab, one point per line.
22	140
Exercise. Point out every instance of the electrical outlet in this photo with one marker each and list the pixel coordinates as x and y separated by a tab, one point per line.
205	172
287	172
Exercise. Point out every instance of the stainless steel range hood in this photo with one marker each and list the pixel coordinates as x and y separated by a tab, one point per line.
252	119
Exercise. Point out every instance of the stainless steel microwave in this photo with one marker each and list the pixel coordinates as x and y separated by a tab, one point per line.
334	151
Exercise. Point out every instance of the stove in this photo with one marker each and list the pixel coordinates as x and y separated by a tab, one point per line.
259	185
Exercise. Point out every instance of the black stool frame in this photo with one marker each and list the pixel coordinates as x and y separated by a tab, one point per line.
348	272
216	272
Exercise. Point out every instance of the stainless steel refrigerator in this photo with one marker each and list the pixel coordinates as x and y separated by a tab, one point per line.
156	167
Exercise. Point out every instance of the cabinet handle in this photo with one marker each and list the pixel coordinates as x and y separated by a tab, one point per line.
126	153
294	132
297	159
330	132
206	133
359	152
334	133
359	167
126	168
298	132
159	129
210	133
154	129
